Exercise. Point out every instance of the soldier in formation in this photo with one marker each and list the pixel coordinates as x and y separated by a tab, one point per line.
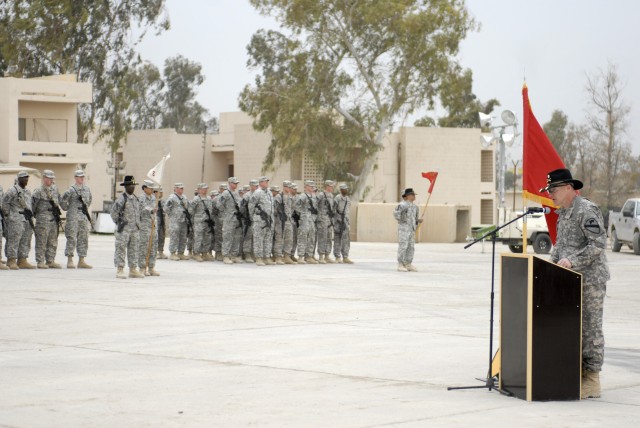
247	225
326	214
148	235
161	222
18	214
200	210
306	206
125	213
261	213
76	201
228	203
177	209
3	230
341	226
48	215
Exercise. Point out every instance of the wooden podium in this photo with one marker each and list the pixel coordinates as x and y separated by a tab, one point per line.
540	329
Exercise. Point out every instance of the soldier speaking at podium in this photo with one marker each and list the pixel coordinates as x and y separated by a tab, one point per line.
580	246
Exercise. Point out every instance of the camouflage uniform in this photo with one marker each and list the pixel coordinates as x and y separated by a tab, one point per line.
77	226
342	227
46	224
161	225
406	213
262	202
247	232
147	207
280	226
216	239
176	206
306	205
582	239
19	232
203	238
227	203
289	238
2	231
127	241
326	218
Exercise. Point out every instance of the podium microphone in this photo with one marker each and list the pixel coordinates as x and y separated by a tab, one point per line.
543	210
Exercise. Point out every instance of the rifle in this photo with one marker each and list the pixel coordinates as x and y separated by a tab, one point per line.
84	208
121	223
281	212
296	217
264	216
4	224
55	210
160	214
344	210
313	210
209	221
246	218
26	212
238	213
187	216
329	210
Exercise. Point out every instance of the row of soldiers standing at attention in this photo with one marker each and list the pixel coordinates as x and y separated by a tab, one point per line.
258	223
24	214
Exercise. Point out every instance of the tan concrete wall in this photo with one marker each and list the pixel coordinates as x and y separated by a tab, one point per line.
442	223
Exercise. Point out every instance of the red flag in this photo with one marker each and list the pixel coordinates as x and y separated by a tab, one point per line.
539	157
431	176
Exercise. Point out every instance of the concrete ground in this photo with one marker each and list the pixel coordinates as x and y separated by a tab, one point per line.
207	344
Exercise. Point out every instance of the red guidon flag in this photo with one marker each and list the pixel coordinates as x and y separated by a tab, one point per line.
539	157
431	176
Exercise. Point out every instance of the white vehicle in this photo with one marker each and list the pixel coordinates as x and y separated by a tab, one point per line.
537	232
624	226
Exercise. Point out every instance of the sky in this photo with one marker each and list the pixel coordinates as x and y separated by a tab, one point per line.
553	44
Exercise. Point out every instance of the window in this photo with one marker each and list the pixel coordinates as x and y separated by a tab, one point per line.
22	129
486	211
486	166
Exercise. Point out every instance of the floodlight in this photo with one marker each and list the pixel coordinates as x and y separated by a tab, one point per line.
486	140
509	117
508	139
485	119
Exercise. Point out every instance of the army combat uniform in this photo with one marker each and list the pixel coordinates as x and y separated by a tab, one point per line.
16	202
2	230
306	205
261	211
203	221
326	214
406	214
148	233
342	228
177	211
582	239
46	202
77	226
161	225
127	209
228	204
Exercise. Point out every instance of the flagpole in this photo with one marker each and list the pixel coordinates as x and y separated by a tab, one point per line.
422	216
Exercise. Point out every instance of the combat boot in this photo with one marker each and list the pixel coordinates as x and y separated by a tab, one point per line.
294	258
174	256
237	259
70	263
249	259
153	272
3	266
83	265
279	261
218	256
42	265
269	261
11	264
260	261
120	273
198	257
321	260
338	259
53	265
347	260
310	260
590	384
328	259
288	260
161	255
411	268
402	268
135	273
24	264
207	257
300	261
227	260
184	256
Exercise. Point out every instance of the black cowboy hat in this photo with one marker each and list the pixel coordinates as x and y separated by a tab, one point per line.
561	177
408	191
129	181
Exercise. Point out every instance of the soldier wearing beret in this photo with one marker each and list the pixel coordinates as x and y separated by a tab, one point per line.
580	246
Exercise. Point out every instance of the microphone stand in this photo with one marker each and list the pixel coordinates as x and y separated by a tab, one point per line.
490	381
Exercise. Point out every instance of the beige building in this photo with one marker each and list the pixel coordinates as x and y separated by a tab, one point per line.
38	129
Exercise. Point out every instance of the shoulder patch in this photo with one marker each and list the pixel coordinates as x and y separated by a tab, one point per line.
592	225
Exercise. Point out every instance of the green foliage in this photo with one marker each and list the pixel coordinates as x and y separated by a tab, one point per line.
345	72
92	39
556	130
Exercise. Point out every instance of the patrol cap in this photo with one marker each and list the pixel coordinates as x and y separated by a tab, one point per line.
78	173
158	189
148	183
275	189
344	187
223	186
286	183
329	183
293	186
214	193
233	180
246	188
47	173
263	178
310	183
178	185
203	186
254	182
22	174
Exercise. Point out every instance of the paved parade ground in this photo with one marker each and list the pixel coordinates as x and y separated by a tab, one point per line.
213	345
